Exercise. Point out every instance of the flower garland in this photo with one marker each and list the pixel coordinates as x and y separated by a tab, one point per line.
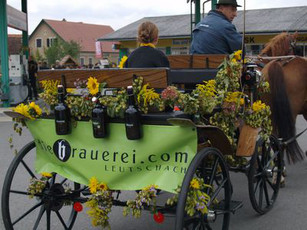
235	107
146	197
99	203
221	92
37	186
197	199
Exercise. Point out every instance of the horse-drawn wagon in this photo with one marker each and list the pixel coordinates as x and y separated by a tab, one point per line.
187	148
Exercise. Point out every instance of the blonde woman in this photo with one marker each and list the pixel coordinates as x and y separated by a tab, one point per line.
146	55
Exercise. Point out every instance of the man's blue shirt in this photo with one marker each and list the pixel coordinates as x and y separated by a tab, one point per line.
215	34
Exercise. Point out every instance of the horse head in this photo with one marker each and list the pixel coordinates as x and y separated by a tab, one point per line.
281	45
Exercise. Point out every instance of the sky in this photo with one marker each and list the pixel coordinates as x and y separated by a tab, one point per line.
119	13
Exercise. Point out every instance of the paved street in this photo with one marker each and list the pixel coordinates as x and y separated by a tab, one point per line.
289	212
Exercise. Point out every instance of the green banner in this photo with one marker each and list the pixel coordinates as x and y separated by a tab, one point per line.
160	157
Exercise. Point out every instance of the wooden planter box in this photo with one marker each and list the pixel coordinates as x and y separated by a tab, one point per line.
247	141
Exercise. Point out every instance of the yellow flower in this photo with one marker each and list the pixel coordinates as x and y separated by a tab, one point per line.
208	88
23	110
258	106
32	104
50	86
46	174
148	95
122	62
93	185
233	97
103	187
38	110
234	60
241	101
238	55
70	90
151	186
93	85
94	222
194	183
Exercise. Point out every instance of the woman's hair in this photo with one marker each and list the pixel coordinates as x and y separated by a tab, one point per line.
147	32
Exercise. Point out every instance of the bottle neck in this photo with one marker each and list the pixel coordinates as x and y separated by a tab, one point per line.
131	99
61	97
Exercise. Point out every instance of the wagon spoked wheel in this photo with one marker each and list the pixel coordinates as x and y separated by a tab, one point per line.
264	175
45	210
209	165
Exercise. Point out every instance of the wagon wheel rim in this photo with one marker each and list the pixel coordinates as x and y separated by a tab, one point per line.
41	209
215	218
265	176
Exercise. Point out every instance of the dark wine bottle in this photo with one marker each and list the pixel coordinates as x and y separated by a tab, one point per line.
99	119
62	114
132	117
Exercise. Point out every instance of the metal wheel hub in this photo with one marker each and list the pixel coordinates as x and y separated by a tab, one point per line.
52	197
269	173
210	217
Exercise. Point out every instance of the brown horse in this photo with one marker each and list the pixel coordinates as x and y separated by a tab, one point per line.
288	81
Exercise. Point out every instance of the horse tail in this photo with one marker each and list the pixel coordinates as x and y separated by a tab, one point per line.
282	117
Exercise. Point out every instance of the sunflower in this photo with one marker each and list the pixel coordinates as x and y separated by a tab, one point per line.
36	108
93	85
103	187
23	110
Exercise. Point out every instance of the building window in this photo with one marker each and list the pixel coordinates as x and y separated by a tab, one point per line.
90	61
50	41
181	41
38	42
180	50
82	61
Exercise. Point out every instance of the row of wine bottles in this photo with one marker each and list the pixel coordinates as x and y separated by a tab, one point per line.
99	117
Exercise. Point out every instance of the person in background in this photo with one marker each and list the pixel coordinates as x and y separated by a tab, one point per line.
146	55
216	34
32	69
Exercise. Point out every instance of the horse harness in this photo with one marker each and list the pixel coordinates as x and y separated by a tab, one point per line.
283	60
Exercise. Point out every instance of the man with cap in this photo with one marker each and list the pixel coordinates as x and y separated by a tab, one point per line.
216	34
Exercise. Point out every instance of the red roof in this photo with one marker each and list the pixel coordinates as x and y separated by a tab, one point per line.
14	43
83	33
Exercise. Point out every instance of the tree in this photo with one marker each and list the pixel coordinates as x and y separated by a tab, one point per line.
60	49
38	56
